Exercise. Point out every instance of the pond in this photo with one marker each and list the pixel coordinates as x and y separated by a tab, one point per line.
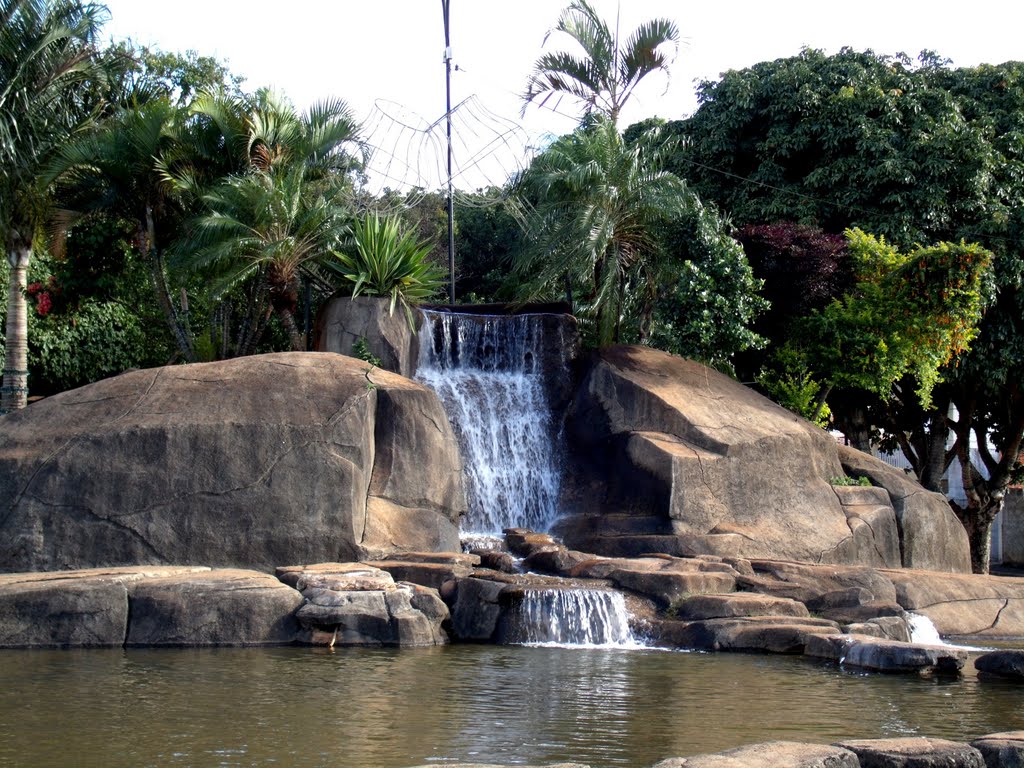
369	708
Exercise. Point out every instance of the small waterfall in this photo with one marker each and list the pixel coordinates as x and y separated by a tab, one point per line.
487	372
578	617
924	632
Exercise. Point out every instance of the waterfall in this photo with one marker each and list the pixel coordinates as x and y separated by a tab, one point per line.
587	617
487	371
924	632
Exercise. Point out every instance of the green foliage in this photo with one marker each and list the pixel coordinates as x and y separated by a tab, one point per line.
595	209
846	481
361	350
388	262
907	314
92	342
708	296
789	381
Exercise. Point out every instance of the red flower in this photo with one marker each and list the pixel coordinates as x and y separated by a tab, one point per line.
43	304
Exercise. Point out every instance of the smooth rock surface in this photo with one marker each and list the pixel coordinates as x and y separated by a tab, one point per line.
343	320
1008	664
770	634
963	604
256	461
1002	750
703	448
913	752
931	538
771	754
212	608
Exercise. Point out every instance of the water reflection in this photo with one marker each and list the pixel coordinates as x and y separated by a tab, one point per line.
389	709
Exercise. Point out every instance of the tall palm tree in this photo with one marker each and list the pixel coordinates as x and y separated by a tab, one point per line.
266	226
47	54
609	69
598	205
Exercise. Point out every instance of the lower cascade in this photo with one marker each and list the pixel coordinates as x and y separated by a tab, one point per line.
580	617
486	371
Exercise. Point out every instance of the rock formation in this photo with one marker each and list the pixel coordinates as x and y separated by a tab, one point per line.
252	462
697	463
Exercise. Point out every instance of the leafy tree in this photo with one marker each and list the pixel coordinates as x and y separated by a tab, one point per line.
600	206
709	297
46	54
263	227
604	77
918	153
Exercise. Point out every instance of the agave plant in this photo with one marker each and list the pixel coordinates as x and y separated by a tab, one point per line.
388	262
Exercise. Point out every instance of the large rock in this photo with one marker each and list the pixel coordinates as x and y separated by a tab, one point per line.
291	457
913	752
213	608
771	754
963	604
931	538
1008	664
343	321
1002	750
732	473
146	606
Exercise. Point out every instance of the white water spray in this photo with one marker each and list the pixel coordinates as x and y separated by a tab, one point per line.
486	371
571	617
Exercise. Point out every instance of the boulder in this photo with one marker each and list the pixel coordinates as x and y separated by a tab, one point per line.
880	655
931	538
963	604
771	754
343	321
769	634
1002	750
913	752
820	587
731	472
664	579
474	607
736	605
365	607
256	461
212	608
1008	664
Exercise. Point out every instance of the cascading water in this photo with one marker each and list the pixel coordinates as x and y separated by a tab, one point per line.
487	372
578	617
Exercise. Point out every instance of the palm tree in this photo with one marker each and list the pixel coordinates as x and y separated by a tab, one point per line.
47	52
599	204
120	170
607	73
265	226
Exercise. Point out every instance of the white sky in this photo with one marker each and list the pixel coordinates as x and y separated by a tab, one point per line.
391	49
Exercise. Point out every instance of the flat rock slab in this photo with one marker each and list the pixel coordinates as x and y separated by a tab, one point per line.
736	605
963	604
212	608
820	585
771	754
663	578
428	574
163	605
878	655
1009	664
914	752
1002	750
771	634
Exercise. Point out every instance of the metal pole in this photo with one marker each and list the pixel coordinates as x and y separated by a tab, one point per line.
445	6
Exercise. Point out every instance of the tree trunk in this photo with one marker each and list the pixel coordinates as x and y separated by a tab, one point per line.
288	321
977	521
147	239
14	393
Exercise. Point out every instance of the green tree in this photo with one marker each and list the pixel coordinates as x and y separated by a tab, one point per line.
263	227
604	77
918	153
600	207
46	55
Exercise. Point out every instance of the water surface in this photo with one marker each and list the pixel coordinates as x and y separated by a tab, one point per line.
361	708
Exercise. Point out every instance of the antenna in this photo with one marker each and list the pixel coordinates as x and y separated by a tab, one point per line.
446	8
